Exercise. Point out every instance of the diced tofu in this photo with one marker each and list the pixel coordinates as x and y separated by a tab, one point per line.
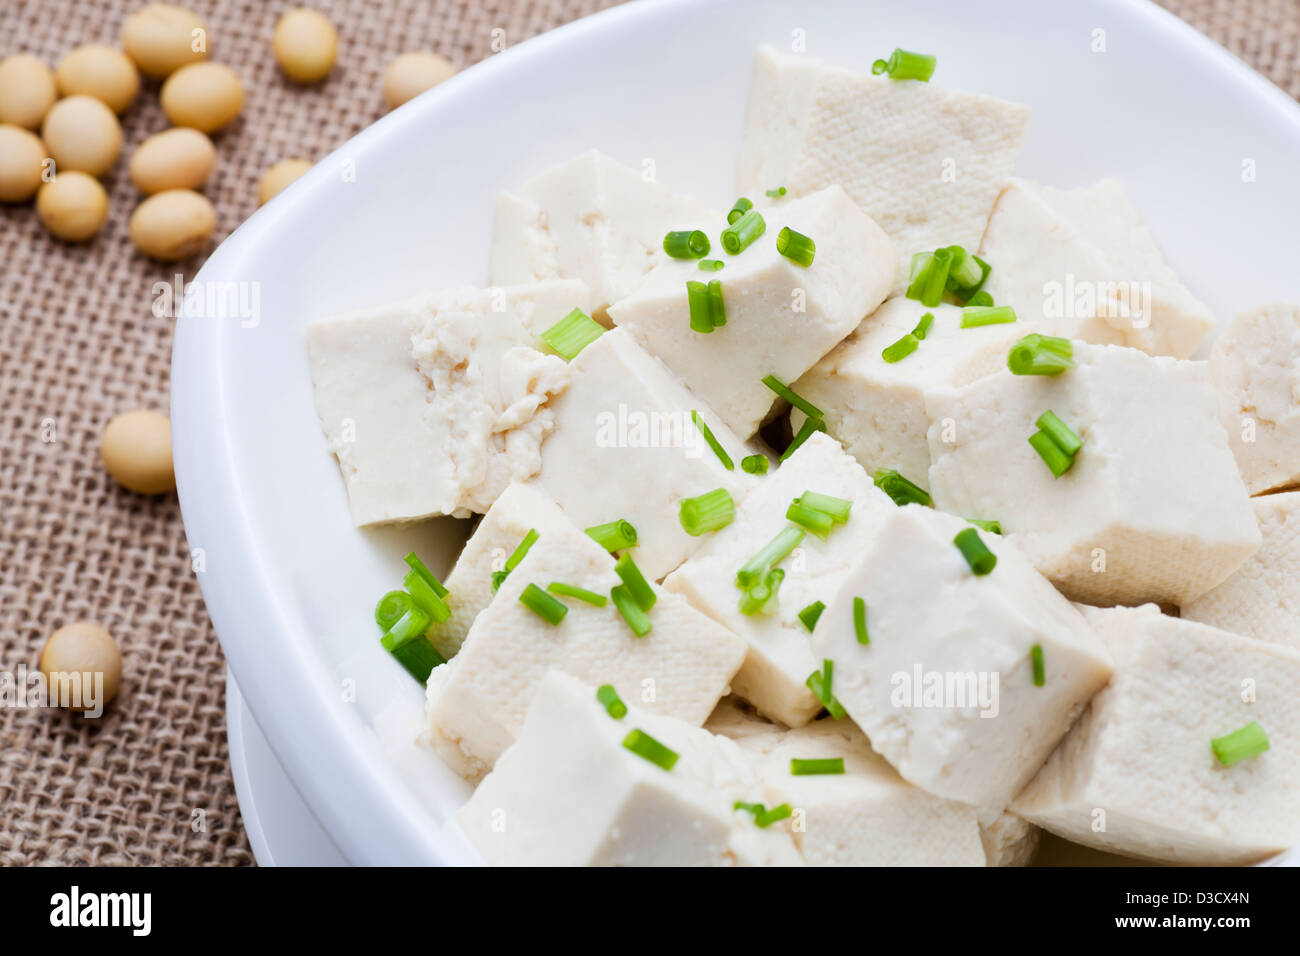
1082	262
877	408
625	446
568	792
1137	774
1151	510
923	161
432	405
1010	841
1261	599
781	317
945	687
736	719
1255	366
477	701
590	218
780	658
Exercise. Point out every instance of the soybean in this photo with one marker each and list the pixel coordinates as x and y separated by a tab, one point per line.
137	451
305	44
161	38
206	96
99	71
82	134
179	158
22	159
81	648
72	206
411	74
27	91
173	224
278	177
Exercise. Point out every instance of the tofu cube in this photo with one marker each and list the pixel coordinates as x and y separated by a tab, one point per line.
568	792
780	659
877	408
1255	366
1136	774
781	317
1261	599
432	405
1082	261
625	446
945	687
477	701
590	218
1010	841
1152	508
925	162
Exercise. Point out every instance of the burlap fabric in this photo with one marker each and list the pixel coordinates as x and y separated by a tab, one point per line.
150	783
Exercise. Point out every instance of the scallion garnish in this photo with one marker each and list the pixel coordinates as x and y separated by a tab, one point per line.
805	432
498	577
645	746
776	193
762	597
1040	670
810	614
795	246
572	334
903	491
391	607
819	682
1065	439
975	551
754	464
798	401
974	316
707	512
964	272
982	298
741	206
713	443
522	550
810	519
929	277
700	307
413	624
613	535
408	645
992	527
686	244
923	327
631	612
717	308
573	591
904	65
776	814
1040	355
610	700
772	553
545	606
901	349
635	582
809	767
430	579
838	508
1249	741
860	621
1058	461
738	236
425	597
711	265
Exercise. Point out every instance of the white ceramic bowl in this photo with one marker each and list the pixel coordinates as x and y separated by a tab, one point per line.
407	204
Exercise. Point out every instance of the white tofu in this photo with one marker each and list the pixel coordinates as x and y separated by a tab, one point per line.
1261	599
944	689
568	793
781	317
1255	366
432	405
774	675
877	408
1082	262
925	162
1136	775
625	446
477	701
1152	509
590	218
1010	841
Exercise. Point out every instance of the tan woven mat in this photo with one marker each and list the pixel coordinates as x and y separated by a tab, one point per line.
150	783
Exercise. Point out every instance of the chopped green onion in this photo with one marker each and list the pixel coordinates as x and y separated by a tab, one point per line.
1048	450
903	491
754	808
776	193
545	606
983	298
1065	439
798	401
763	597
573	333
795	246
1249	741
700	306
810	519
612	703
860	620
522	550
686	244
613	535
497	578
643	745
711	265
738	236
804	767
810	614
974	316
900	349
635	581
819	682
425	597
406	642
1040	355
409	626
1040	671
741	206
713	443
772	553
923	327
754	464
391	607
992	527
631	612
903	65
837	508
975	551
573	591
929	277
964	273
717	308
707	512
776	814
417	565
805	432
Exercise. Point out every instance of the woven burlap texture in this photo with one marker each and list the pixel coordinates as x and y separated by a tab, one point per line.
150	783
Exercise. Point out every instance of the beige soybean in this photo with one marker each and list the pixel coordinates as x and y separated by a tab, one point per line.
81	648
278	177
305	44
137	451
179	158
22	159
82	134
99	71
72	206
411	74
206	96
27	90
161	38
173	224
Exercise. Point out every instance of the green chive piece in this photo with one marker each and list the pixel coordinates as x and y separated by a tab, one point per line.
795	246
992	527
837	508
613	535
711	265
406	642
796	400
700	307
545	606
521	552
763	598
810	519
904	65
771	554
903	491
810	614
717	308
572	334
860	620
713	443
754	808
408	627
391	607
819	682
645	746
923	327
1058	461
635	582
497	578
1040	670
964	273
1249	741
805	432
631	612
686	244
426	598
983	298
741	206
707	512
581	594
1065	439
766	818
929	277
804	767
776	193
1040	355
610	700
738	236
754	464
975	551
900	349
430	579
974	316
